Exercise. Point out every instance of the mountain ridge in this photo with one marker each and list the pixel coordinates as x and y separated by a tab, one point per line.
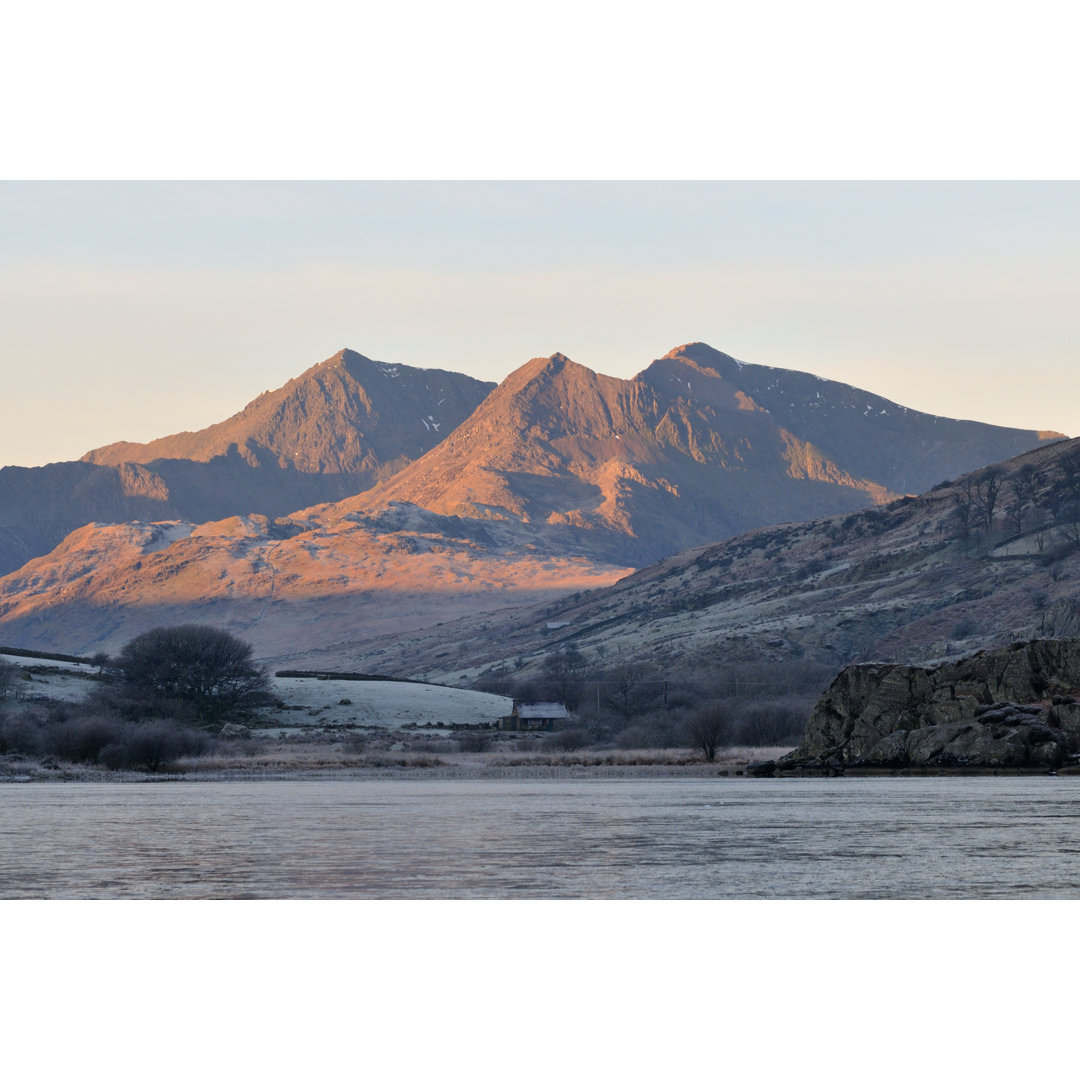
560	478
324	420
680	455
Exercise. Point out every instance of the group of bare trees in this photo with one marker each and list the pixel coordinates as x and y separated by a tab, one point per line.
1025	499
976	501
636	704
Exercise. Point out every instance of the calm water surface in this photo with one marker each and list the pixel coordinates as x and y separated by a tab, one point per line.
723	838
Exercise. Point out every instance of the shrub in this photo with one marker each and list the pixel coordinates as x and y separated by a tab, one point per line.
104	740
772	722
570	738
153	746
19	735
965	628
81	739
473	742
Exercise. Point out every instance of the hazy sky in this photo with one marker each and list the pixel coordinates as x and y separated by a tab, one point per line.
132	307
129	310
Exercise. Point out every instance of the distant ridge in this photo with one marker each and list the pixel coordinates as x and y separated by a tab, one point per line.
347	414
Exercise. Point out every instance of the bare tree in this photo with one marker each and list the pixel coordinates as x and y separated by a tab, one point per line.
8	674
987	491
1022	486
963	514
1069	464
1064	499
629	689
566	672
708	731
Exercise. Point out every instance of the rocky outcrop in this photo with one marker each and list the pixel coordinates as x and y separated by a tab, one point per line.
1012	707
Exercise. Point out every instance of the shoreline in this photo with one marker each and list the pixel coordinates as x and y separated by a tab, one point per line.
494	772
370	773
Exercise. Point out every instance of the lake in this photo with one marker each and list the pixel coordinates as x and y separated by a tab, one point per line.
659	838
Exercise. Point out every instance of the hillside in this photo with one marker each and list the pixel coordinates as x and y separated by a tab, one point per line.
281	587
918	579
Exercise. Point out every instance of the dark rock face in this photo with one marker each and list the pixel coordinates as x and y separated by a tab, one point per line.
1014	707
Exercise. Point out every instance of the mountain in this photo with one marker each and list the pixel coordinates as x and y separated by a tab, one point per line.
696	448
918	580
559	480
346	416
900	449
329	433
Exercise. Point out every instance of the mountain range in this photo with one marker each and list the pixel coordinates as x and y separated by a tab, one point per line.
364	500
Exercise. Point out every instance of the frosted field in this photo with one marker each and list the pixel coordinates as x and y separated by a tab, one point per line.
52	679
382	704
307	702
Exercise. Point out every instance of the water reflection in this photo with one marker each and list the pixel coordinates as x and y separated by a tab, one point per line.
976	837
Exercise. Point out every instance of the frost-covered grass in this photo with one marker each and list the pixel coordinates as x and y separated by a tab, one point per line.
306	703
330	702
56	680
302	755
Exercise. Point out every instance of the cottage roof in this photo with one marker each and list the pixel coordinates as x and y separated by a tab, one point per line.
543	710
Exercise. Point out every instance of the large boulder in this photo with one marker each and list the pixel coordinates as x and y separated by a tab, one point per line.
1012	707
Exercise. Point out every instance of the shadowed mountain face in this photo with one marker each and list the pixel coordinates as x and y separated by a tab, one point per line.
900	449
560	479
333	431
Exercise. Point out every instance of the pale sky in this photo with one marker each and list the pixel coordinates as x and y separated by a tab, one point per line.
155	282
130	310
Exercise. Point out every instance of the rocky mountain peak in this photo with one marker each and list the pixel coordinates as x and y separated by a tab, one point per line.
705	355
